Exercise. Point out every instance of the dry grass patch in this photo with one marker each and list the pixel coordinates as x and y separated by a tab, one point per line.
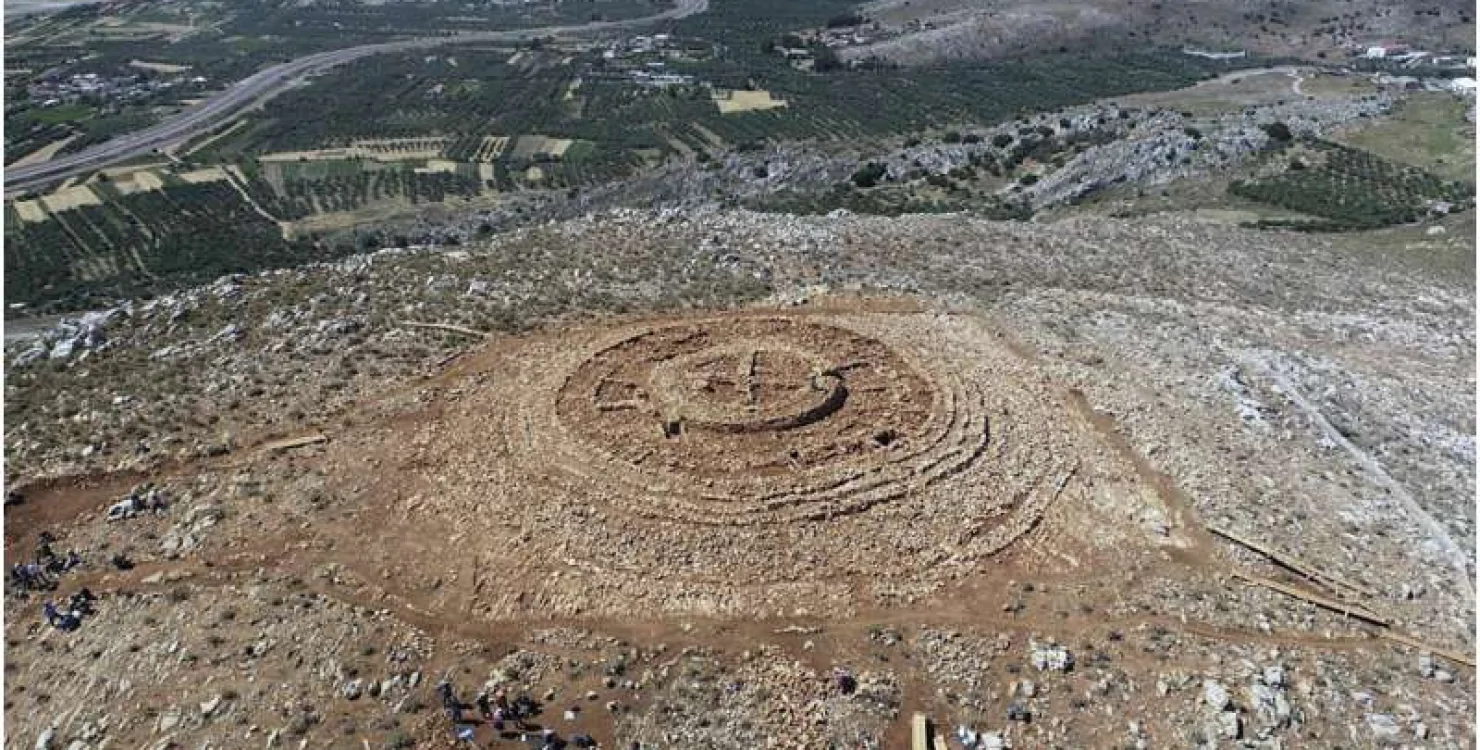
138	182
1428	130
30	212
209	174
730	102
69	198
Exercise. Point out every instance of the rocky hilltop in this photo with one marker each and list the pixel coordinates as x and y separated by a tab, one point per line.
716	478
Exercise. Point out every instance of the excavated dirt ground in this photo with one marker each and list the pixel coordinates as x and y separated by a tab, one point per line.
678	527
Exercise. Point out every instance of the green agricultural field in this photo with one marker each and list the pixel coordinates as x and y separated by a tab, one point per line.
1428	130
146	242
61	114
1348	188
396	96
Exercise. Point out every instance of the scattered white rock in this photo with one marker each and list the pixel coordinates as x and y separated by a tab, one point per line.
1215	695
167	722
1050	657
1383	727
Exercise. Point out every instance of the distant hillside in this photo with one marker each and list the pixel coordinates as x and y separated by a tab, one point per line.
922	31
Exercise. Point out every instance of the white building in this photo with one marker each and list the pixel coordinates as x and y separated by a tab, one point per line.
1376	53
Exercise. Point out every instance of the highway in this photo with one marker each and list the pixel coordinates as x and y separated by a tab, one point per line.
264	84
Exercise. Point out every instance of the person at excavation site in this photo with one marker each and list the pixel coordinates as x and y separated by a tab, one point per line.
550	740
61	620
450	703
82	601
26	576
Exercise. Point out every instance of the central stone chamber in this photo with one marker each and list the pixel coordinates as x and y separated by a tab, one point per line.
746	387
747	400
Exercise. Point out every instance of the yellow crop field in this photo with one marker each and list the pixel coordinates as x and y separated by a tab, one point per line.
730	102
70	197
30	212
209	174
137	182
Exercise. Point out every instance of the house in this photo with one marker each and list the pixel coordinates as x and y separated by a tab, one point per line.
1463	86
1385	50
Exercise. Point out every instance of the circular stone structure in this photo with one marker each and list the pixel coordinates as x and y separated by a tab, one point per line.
755	420
753	413
745	461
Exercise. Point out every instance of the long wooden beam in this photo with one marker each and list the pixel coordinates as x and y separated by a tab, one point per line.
1291	563
1335	605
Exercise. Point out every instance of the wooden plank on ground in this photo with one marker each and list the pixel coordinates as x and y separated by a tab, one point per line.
920	732
1290	563
297	442
444	327
1409	640
1334	605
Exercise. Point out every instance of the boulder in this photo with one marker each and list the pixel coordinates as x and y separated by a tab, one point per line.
1050	657
1216	696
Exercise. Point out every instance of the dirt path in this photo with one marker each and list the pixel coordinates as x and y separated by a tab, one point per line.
215	137
43	154
234	177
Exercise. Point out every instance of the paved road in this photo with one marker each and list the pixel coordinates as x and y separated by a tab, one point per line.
270	82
